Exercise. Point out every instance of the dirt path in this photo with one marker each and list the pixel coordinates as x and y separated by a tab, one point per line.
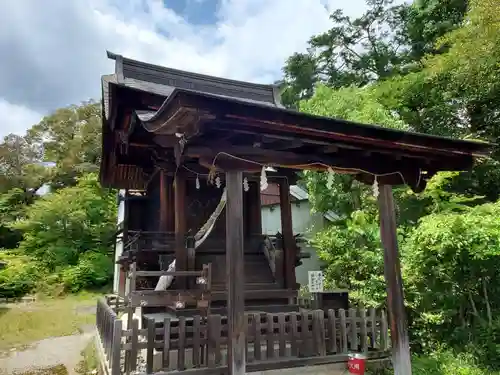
50	352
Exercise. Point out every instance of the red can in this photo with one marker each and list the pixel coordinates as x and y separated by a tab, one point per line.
356	363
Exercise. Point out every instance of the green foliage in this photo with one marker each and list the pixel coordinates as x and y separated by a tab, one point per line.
92	271
384	42
71	138
447	363
68	233
19	164
12	207
353	104
18	276
63	238
59	227
442	362
451	261
444	80
354	257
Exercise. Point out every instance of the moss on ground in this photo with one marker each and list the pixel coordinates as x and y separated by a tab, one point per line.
25	323
53	370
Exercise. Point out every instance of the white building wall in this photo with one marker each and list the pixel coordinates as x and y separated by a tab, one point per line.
119	242
304	222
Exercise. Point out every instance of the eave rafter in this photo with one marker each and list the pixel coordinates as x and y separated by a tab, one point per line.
227	134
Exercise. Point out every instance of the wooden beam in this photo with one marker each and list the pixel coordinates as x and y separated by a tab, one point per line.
289	245
235	273
180	226
394	283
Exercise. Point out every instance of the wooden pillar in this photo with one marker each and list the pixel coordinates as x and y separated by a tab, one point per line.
163	222
180	227
394	283
254	207
126	215
289	245
235	273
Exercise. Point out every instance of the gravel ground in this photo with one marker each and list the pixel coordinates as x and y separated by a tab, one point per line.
50	352
47	353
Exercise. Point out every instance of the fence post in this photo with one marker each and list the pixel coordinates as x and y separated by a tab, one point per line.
116	348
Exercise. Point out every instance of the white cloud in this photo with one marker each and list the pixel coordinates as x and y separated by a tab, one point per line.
53	52
16	119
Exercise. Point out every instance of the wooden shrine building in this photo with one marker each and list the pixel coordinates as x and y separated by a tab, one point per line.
192	153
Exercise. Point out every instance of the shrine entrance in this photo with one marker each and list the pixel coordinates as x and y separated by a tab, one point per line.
227	294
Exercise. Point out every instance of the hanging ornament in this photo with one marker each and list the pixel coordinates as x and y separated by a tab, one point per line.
246	187
197	183
263	179
329	179
217	182
375	187
211	174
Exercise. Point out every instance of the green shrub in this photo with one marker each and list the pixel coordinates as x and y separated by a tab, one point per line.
483	342
18	277
443	363
93	270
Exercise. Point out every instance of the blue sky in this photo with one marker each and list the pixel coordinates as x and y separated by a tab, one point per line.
54	51
196	12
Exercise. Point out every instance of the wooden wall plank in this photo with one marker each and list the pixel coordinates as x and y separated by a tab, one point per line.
270	336
318	331
332	331
196	340
181	354
353	331
257	348
282	334
343	330
150	324
166	344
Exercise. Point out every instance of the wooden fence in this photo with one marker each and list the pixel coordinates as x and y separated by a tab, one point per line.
199	344
109	329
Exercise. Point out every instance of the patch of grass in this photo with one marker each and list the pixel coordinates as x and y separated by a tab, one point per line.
442	363
89	360
54	370
25	323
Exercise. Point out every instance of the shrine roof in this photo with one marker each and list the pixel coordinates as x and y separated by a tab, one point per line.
219	115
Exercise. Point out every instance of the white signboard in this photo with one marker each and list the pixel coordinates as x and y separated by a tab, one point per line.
315	281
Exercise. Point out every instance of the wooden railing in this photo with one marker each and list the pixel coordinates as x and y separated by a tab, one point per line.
201	296
283	340
150	241
108	345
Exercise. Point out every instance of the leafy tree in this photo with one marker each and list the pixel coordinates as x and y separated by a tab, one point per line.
455	92
62	227
451	260
354	51
353	255
71	138
425	21
20	164
18	276
12	207
385	41
355	104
